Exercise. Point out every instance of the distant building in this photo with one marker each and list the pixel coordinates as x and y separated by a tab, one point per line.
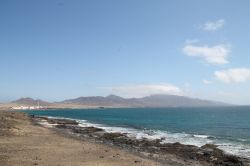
27	107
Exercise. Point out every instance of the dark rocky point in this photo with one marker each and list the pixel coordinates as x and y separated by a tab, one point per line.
208	154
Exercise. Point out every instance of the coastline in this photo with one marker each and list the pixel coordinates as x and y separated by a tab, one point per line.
24	143
39	137
166	153
221	127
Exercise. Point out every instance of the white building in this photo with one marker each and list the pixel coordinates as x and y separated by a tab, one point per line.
27	107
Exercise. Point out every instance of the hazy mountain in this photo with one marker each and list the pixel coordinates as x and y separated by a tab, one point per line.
176	101
30	102
110	100
149	101
116	101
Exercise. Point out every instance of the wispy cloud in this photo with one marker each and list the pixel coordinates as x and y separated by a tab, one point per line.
144	90
213	26
214	55
206	81
236	75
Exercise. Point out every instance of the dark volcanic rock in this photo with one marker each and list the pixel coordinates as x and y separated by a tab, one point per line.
86	130
208	153
63	121
112	136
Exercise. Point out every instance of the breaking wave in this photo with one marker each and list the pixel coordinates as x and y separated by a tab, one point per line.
239	147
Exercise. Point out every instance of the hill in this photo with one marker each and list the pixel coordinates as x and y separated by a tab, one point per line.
30	102
157	101
149	101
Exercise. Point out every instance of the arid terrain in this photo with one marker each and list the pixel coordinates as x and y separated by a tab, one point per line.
24	144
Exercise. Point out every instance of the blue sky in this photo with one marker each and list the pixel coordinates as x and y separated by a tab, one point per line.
58	49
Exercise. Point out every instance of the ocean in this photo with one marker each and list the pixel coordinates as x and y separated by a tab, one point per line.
227	127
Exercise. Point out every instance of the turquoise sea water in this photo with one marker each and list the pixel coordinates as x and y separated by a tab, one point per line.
228	127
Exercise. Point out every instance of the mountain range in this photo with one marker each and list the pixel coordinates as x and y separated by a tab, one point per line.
117	101
30	102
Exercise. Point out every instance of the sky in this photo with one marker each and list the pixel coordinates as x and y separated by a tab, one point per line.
61	49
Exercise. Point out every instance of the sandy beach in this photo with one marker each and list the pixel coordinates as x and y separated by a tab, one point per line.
24	142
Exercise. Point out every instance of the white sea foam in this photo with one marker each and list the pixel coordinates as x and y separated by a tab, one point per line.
236	149
168	137
200	136
46	124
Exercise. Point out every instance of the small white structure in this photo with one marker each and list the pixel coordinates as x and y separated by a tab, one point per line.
27	107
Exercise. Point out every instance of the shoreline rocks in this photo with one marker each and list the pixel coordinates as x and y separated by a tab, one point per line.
208	154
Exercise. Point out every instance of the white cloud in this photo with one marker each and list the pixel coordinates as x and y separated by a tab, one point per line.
213	26
144	90
206	81
237	75
214	55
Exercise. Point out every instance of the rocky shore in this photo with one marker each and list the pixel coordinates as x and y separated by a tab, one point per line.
208	154
23	143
